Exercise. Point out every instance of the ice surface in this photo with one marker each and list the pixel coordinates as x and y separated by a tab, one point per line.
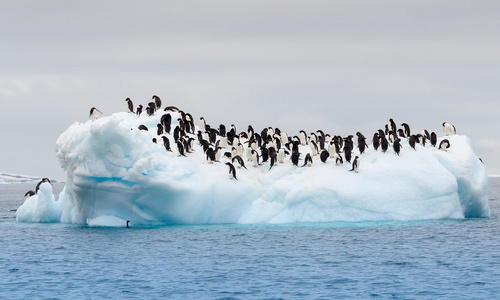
115	173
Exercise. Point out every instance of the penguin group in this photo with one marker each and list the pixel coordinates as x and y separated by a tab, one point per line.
272	146
32	193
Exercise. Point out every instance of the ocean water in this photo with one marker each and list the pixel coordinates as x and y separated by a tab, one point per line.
438	259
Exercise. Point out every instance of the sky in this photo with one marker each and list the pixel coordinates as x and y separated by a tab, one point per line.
339	66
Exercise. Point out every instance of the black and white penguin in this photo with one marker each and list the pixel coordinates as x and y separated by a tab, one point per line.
449	129
396	146
222	130
391	126
338	159
406	130
180	148
166	121
29	193
412	141
151	108
218	153
445	144
264	153
295	158
128	224
41	181
273	157
201	125
347	152
362	144
239	160
421	139
281	155
138	110
308	160
154	140
303	137
159	129
143	127
130	105
425	134
355	164
171	108
376	141
314	147
433	139
384	143
232	171
166	143
255	158
94	113
157	102
210	153
324	156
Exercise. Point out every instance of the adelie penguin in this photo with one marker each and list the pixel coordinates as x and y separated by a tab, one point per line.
40	183
445	144
308	160
29	193
130	105
396	146
449	129
138	110
239	160
232	171
180	148
166	143
295	158
94	113
355	164
433	139
324	156
157	102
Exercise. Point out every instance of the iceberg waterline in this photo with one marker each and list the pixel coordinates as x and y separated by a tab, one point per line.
115	172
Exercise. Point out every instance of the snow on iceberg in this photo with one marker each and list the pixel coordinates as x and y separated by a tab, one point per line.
115	173
41	207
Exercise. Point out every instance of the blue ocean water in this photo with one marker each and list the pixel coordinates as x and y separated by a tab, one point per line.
457	259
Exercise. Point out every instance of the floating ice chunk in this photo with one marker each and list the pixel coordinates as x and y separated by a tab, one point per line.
41	207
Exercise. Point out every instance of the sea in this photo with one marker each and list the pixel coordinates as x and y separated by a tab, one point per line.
433	259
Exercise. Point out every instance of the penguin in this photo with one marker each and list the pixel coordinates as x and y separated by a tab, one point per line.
159	130
314	148
201	125
264	152
143	127
210	154
445	144
401	133
130	105
180	148
94	114
239	160
425	134
166	143
384	144
421	139
295	158
171	108
338	159
283	137
157	102
151	109
255	158
232	171
362	145
29	193
332	149
166	121
355	164
391	126
406	130
433	139
347	152
281	155
154	140
222	130
308	160
324	156
218	153
41	181
376	141
449	129
138	110
396	146
412	141
128	224
303	137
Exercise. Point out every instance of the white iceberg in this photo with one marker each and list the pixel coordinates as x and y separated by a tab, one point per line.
115	173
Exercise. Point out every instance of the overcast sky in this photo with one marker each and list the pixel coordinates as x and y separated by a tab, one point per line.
340	66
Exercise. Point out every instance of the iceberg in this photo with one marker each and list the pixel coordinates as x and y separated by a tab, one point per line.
116	173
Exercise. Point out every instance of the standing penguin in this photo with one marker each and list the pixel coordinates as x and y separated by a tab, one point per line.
130	105
159	129
355	164
281	155
180	148
412	141
232	171
396	146
449	129
94	113
433	139
324	156
239	160
295	158
384	143
138	110
406	130
308	160
376	141
166	143
201	125
445	144
255	158
166	121
157	102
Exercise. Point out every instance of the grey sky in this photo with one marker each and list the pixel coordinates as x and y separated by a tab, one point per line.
340	66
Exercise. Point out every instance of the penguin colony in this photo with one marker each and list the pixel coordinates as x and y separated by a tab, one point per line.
271	145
